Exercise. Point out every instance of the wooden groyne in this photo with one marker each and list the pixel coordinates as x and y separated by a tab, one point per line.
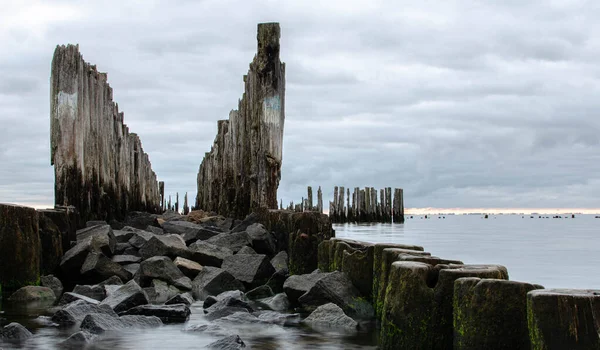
99	166
241	172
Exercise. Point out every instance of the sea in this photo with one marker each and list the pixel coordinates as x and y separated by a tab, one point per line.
554	252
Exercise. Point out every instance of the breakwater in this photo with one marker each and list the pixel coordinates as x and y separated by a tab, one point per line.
241	172
100	167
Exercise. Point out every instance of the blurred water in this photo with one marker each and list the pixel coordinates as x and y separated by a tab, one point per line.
556	253
551	252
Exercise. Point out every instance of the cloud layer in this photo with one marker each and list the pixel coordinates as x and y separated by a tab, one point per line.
463	105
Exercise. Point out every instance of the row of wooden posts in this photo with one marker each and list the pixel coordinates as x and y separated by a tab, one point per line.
362	206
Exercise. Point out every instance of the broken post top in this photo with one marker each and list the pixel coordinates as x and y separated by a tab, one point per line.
268	39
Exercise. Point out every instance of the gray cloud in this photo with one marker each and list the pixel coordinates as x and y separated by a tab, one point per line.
461	104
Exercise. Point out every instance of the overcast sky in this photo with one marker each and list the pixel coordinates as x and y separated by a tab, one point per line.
494	104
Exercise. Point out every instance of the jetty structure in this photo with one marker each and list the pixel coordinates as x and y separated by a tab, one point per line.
112	258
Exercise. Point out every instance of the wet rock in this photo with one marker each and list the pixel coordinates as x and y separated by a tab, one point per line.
280	261
261	292
51	242
177	313
253	269
166	245
297	285
100	323
209	301
20	246
213	281
189	231
53	283
126	259
14	332
238	317
227	304
183	298
162	268
96	292
132	268
564	319
126	297
330	316
33	293
491	313
262	240
76	311
233	241
140	238
207	254
81	338
204	328
246	250
159	292
337	288
69	297
188	267
232	342
123	236
155	230
103	235
120	248
97	267
274	317
279	302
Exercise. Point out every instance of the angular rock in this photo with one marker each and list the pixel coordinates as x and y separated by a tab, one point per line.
166	245
126	297
213	281
76	311
337	288
69	297
79	339
280	261
263	241
20	246
132	268
277	280
207	254
491	313
14	332
99	323
238	317
33	293
177	313
233	241
140	238
297	285
279	302
253	269
189	231
98	267
74	258
155	230
96	292
188	267
140	220
261	292
120	248
123	236
126	259
159	292
93	223
162	268
274	317
330	316
232	342
103	235
131	251
246	250
183	298
53	283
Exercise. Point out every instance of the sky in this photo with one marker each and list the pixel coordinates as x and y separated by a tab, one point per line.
463	104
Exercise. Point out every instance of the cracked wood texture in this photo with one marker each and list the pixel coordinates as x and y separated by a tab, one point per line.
241	172
99	166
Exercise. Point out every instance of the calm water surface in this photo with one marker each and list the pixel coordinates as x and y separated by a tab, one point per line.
551	252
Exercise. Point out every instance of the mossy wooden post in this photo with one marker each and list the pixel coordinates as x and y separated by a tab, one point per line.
20	247
161	189
320	200
358	265
564	319
491	314
309	198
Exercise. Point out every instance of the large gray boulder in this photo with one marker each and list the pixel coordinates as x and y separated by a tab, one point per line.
189	231
126	259
162	268
232	342
183	298
330	316
99	323
33	294
127	296
123	236
140	238
69	297
75	257
263	241
96	291
76	311
98	267
278	302
177	313
336	287
232	241
79	339
188	267
103	235
213	281
160	291
14	332
252	269
297	285
208	254
53	283
140	220
165	245
280	261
